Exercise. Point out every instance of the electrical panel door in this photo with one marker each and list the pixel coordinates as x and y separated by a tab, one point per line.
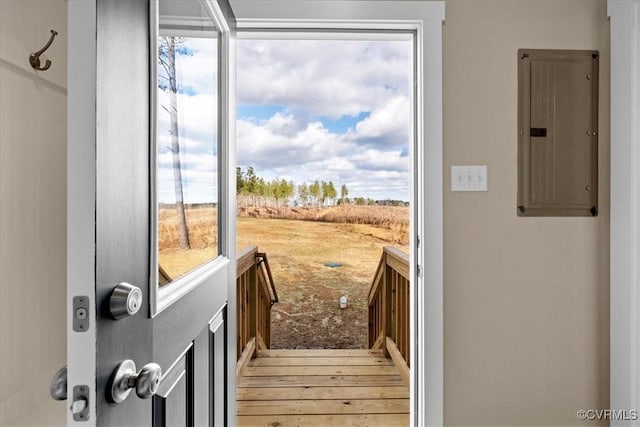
557	133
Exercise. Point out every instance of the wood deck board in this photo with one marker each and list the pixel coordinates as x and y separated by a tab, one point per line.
322	361
317	393
272	371
320	353
321	388
322	381
369	420
325	406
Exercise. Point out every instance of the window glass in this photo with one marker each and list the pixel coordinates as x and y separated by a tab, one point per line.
186	140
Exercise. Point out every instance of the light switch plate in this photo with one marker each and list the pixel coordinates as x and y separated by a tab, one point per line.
469	178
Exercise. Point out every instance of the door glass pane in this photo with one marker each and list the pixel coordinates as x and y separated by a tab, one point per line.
186	139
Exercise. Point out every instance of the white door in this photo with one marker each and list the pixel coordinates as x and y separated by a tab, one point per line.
151	213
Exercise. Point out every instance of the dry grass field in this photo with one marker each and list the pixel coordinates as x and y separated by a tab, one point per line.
203	237
308	315
393	218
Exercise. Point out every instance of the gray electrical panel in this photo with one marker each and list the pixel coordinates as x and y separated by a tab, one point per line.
557	133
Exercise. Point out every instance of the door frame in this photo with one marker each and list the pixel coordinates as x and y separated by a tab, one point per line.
263	18
81	194
625	207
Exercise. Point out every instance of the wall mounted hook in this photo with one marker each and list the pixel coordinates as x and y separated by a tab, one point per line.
34	58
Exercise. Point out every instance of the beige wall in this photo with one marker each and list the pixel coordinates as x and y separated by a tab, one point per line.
526	317
32	212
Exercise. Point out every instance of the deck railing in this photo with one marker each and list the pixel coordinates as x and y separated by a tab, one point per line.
256	293
389	309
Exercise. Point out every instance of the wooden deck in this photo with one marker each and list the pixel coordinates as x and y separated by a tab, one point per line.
282	388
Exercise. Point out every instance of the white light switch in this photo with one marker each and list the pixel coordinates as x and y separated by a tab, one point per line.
468	178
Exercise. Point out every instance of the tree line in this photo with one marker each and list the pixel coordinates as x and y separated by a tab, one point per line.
254	190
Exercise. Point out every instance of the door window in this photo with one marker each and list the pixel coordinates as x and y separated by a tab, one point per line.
185	166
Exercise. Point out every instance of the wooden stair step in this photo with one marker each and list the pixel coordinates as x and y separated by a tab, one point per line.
271	371
321	353
324	420
319	393
327	406
322	361
322	381
321	388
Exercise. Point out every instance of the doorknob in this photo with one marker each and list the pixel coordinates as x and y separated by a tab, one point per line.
58	386
125	379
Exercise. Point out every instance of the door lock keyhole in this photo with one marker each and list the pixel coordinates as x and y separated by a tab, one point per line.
125	301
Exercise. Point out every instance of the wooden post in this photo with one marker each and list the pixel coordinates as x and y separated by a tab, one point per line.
239	319
387	316
253	299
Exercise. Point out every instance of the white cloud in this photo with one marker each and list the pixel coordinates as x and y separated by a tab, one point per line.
327	78
197	118
315	153
375	160
388	125
198	70
271	143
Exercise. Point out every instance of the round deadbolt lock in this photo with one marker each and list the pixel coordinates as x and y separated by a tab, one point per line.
126	300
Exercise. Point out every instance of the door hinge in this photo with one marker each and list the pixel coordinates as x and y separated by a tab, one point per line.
419	270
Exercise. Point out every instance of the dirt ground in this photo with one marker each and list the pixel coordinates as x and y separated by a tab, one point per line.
308	314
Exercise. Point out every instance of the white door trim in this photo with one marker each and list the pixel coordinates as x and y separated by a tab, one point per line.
81	197
625	208
425	19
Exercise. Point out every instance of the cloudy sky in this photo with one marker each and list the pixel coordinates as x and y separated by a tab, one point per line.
196	74
307	110
326	110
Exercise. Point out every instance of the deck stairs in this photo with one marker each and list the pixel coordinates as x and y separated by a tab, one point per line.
322	388
364	387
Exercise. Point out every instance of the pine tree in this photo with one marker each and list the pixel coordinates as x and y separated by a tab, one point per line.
167	59
344	192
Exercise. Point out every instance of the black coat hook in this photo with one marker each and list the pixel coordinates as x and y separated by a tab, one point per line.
34	58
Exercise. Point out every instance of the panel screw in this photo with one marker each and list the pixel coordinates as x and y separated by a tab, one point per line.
588	133
588	76
521	132
588	188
